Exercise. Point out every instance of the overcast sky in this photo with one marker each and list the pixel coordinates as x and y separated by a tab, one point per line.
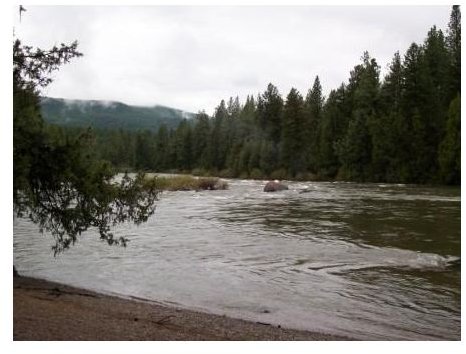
192	57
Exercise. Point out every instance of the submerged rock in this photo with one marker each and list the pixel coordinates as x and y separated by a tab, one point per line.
273	186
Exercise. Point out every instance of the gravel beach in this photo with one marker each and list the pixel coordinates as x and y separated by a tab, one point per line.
45	310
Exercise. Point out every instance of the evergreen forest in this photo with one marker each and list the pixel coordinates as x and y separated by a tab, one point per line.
402	128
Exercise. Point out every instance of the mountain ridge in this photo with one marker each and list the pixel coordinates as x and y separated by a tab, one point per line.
102	114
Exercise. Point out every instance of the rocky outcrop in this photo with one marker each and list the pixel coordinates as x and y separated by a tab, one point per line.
273	186
15	272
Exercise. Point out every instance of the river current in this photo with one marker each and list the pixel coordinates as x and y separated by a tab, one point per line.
369	261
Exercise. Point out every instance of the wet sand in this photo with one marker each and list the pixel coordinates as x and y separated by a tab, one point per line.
44	310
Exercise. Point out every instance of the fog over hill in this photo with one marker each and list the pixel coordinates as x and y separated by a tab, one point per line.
109	114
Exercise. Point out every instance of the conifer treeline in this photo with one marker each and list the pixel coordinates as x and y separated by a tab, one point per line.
404	128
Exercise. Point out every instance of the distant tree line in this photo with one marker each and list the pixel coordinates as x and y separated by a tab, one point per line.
404	128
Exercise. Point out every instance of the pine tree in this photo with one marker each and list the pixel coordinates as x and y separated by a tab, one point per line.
454	46
438	63
293	134
270	107
389	130
419	107
183	146
201	148
161	149
268	154
219	138
392	88
331	132
144	151
243	160
313	110
450	148
234	107
355	150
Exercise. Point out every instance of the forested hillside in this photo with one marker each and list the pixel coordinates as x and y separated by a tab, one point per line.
404	127
105	115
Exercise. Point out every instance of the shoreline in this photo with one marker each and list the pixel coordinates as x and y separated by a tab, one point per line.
303	180
45	310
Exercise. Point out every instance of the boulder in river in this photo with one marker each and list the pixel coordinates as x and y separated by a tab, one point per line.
273	186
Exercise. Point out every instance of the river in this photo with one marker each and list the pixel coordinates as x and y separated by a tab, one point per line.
369	261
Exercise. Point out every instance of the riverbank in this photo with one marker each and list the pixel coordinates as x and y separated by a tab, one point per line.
44	310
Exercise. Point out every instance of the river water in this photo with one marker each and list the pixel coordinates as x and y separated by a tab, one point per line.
370	261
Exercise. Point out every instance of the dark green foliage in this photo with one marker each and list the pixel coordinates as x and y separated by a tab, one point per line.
219	138
313	114
58	182
268	157
143	151
183	146
294	131
269	113
423	109
391	91
202	151
355	149
450	148
454	49
32	66
110	143
331	132
386	148
389	132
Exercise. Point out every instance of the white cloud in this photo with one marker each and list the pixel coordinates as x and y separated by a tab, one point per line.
192	57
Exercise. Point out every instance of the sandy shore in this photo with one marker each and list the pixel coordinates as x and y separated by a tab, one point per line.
43	310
